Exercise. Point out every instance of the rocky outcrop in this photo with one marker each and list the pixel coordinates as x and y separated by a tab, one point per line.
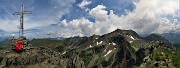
36	57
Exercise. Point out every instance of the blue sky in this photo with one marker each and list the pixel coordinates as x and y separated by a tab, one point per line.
65	18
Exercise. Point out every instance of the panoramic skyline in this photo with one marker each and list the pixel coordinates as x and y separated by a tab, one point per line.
65	18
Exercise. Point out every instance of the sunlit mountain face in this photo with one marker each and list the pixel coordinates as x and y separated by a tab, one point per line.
59	18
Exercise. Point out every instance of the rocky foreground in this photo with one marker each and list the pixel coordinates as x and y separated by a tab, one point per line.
33	58
118	49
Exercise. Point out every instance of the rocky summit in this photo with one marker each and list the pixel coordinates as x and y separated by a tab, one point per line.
33	58
118	49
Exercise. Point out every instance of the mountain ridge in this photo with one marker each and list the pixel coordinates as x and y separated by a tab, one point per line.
120	48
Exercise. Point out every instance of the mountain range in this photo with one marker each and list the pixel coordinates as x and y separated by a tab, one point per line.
172	37
117	49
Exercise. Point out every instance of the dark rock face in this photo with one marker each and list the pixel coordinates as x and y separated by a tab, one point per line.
140	54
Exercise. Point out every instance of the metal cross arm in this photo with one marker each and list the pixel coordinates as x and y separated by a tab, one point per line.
17	13
24	12
27	12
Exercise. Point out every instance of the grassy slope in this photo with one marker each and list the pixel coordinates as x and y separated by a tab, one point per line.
176	59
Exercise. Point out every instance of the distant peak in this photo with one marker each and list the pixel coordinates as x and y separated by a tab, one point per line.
117	30
156	37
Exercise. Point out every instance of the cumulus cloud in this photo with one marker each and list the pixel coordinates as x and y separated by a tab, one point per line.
99	13
84	27
84	3
149	16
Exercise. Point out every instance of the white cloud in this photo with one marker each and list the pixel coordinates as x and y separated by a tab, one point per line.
8	25
81	26
84	27
99	13
146	18
149	16
84	3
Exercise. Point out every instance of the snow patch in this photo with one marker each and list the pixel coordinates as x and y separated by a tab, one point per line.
64	52
114	43
132	37
97	43
130	41
107	53
90	46
101	42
